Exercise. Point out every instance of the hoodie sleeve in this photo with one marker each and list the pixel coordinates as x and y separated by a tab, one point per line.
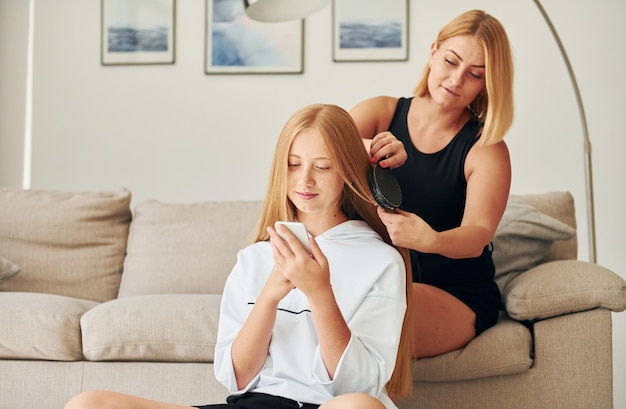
234	310
369	359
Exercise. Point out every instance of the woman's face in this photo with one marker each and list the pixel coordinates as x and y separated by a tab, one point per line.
313	182
457	72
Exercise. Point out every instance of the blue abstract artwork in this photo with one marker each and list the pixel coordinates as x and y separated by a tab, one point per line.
237	44
138	31
370	34
370	31
130	39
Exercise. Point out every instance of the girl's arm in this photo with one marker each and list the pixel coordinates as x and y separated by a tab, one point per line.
311	275
358	355
332	330
251	345
245	332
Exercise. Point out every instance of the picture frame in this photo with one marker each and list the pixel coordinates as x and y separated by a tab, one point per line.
370	31
236	44
138	32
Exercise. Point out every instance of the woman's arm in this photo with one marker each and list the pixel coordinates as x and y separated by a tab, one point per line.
373	115
488	174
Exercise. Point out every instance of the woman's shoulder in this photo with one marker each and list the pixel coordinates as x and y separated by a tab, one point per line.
386	102
498	152
381	104
374	114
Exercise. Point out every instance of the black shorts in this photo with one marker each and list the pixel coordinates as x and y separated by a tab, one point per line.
470	280
483	300
254	400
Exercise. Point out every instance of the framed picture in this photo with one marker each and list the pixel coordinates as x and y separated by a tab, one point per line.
370	31
138	31
236	44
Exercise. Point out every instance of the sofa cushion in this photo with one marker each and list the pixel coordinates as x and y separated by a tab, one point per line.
503	349
69	244
41	326
185	248
7	269
523	239
563	287
158	327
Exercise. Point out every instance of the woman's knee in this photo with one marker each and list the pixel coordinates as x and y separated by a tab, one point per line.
353	401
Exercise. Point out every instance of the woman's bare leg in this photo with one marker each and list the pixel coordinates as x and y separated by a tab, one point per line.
115	400
353	401
442	323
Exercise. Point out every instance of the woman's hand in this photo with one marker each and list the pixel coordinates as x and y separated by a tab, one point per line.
307	272
408	230
388	150
411	231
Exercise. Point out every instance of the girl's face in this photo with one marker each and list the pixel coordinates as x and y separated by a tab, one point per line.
314	185
457	72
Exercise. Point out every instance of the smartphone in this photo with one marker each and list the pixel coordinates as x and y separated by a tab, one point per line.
298	230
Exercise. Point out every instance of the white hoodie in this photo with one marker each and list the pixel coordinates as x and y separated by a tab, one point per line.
368	279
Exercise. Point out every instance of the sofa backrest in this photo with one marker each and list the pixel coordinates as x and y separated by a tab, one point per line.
191	248
185	248
78	244
69	244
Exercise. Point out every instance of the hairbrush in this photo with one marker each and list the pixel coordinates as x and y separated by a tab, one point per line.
385	188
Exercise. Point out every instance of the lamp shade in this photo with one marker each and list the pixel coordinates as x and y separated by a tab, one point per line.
272	11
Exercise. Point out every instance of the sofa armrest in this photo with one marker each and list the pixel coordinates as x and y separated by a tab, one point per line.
562	287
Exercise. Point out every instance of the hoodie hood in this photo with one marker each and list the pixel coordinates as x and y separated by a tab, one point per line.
349	230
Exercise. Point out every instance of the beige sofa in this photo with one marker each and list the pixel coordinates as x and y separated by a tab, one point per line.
109	298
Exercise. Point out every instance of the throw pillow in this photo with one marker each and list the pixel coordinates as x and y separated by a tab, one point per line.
523	238
7	269
66	243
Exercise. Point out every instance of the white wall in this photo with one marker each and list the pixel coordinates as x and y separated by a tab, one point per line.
175	134
13	49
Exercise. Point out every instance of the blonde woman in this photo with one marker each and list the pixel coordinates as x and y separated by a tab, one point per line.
320	329
445	146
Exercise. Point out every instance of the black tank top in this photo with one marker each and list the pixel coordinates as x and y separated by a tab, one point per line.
434	188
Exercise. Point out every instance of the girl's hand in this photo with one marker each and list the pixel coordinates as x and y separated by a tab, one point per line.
307	272
387	149
311	275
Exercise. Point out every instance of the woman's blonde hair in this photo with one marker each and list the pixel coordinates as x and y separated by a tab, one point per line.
345	148
493	106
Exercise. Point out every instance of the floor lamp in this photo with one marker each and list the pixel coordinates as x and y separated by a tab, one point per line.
591	225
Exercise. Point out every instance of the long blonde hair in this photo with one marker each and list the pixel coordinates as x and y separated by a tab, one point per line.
346	150
493	106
